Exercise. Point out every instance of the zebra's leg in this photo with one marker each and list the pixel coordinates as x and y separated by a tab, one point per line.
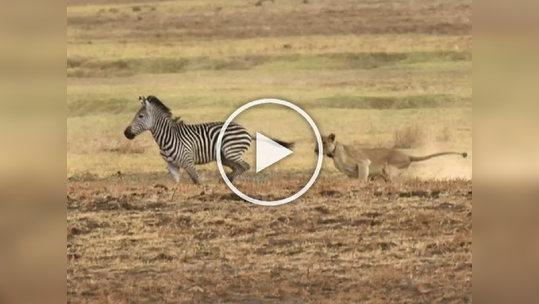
174	171
192	171
229	165
238	166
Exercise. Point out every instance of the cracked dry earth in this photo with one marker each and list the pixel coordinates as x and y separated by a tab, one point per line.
141	241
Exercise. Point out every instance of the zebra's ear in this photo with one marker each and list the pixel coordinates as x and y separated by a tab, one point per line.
142	100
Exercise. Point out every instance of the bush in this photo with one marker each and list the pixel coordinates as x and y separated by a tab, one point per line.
409	137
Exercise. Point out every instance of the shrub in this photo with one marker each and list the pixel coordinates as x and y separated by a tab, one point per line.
409	137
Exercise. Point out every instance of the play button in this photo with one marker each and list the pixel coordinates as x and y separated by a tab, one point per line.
268	152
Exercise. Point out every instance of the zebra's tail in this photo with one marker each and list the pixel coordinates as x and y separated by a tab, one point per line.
288	145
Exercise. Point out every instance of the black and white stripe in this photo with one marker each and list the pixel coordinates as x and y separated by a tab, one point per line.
184	146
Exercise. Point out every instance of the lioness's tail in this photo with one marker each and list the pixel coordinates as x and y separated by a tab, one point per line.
421	158
288	145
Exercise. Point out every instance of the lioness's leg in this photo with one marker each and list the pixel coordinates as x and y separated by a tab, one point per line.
362	170
389	173
386	173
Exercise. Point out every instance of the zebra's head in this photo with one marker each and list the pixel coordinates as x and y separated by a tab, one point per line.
146	116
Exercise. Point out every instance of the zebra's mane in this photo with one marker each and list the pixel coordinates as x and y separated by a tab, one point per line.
158	104
178	120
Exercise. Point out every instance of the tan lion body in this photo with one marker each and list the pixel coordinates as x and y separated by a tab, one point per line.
363	163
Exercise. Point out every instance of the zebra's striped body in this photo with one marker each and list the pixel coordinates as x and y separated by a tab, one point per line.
184	146
198	142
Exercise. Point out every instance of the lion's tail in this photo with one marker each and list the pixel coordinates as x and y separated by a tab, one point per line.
422	158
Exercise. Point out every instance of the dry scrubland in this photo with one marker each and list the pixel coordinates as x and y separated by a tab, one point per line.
377	73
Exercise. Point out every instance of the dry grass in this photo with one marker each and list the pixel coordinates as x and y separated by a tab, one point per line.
87	67
241	19
410	137
126	147
172	37
341	242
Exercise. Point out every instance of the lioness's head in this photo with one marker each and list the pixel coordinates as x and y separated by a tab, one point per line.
328	143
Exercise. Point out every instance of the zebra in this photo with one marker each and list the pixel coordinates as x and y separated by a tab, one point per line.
184	146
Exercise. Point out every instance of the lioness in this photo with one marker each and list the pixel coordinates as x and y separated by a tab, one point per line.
363	163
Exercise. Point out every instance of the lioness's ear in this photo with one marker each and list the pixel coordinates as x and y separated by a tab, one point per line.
331	137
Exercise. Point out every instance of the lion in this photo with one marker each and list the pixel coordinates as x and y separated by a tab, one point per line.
365	163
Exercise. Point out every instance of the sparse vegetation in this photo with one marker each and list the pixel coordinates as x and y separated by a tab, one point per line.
393	102
259	2
84	67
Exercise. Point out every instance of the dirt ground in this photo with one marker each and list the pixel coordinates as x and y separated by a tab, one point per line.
139	240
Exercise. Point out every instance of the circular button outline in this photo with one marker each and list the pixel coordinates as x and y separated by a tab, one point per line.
318	139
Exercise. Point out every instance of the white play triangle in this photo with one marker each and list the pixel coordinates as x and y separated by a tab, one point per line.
268	152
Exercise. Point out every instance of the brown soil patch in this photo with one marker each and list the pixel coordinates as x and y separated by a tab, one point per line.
129	241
